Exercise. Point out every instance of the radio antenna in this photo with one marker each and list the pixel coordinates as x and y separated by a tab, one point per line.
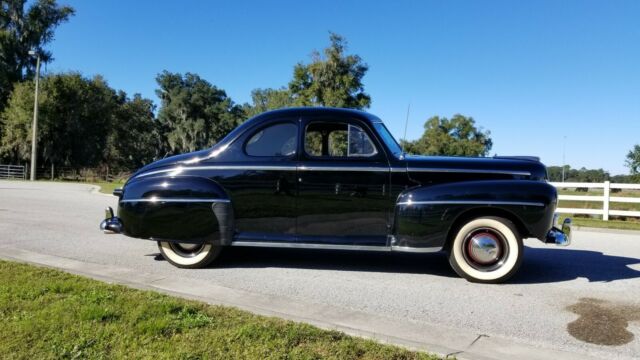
406	123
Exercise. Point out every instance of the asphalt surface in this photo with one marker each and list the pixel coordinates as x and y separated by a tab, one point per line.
594	284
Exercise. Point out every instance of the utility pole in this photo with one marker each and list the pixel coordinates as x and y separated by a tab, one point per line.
34	128
564	143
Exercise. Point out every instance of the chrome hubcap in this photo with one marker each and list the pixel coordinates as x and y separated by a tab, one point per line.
186	250
484	248
189	247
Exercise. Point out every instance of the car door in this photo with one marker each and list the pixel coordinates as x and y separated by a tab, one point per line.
262	181
343	183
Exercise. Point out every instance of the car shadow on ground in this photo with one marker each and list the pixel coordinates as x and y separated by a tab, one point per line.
436	264
540	265
549	264
337	260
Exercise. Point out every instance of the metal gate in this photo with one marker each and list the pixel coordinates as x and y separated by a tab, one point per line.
13	172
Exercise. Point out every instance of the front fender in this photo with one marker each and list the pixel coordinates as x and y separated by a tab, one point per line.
176	208
425	215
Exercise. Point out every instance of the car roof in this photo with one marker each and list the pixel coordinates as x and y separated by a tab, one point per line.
297	111
318	110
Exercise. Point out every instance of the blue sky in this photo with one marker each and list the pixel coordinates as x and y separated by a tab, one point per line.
531	72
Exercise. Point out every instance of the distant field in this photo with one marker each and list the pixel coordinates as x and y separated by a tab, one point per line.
598	223
629	223
598	204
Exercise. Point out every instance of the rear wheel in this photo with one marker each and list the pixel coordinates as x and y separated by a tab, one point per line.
189	256
486	250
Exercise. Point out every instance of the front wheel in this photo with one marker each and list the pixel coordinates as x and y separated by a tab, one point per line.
189	256
486	250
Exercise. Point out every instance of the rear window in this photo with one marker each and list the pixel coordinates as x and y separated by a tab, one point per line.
274	140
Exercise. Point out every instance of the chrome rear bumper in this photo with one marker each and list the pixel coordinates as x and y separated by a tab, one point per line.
111	224
562	236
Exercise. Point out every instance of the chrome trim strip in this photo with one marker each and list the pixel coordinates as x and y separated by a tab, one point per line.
292	245
344	168
415	250
242	167
471	202
179	200
470	171
180	169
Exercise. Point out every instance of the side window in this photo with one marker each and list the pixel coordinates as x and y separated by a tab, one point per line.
337	140
275	140
359	143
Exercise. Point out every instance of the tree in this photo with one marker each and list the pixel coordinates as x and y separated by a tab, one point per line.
73	120
194	114
625	179
577	175
82	123
268	99
333	80
633	160
133	135
21	31
458	136
15	120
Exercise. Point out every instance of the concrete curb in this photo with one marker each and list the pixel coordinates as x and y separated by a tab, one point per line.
431	338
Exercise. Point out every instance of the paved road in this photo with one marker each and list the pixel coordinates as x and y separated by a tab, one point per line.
597	278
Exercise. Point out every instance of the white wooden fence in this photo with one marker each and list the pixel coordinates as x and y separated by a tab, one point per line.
13	172
605	198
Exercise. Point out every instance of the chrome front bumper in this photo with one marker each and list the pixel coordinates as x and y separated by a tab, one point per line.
111	224
561	236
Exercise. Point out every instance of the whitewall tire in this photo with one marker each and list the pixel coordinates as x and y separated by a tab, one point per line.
189	256
486	250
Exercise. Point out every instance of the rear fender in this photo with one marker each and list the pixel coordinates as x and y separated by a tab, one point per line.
176	208
425	215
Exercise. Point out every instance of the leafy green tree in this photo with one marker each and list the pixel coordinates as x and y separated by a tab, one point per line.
334	79
15	120
73	120
457	136
625	179
22	30
555	172
82	123
577	175
194	114
633	160
132	140
268	99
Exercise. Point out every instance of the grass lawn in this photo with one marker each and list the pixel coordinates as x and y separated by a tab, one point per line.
48	314
108	187
597	223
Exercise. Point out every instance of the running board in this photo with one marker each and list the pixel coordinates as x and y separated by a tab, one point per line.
293	245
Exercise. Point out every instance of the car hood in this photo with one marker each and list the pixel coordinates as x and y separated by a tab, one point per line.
174	160
525	167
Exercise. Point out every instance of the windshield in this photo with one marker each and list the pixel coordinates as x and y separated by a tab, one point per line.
388	139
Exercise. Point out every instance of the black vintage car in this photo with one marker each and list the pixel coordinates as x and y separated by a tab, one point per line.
323	178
